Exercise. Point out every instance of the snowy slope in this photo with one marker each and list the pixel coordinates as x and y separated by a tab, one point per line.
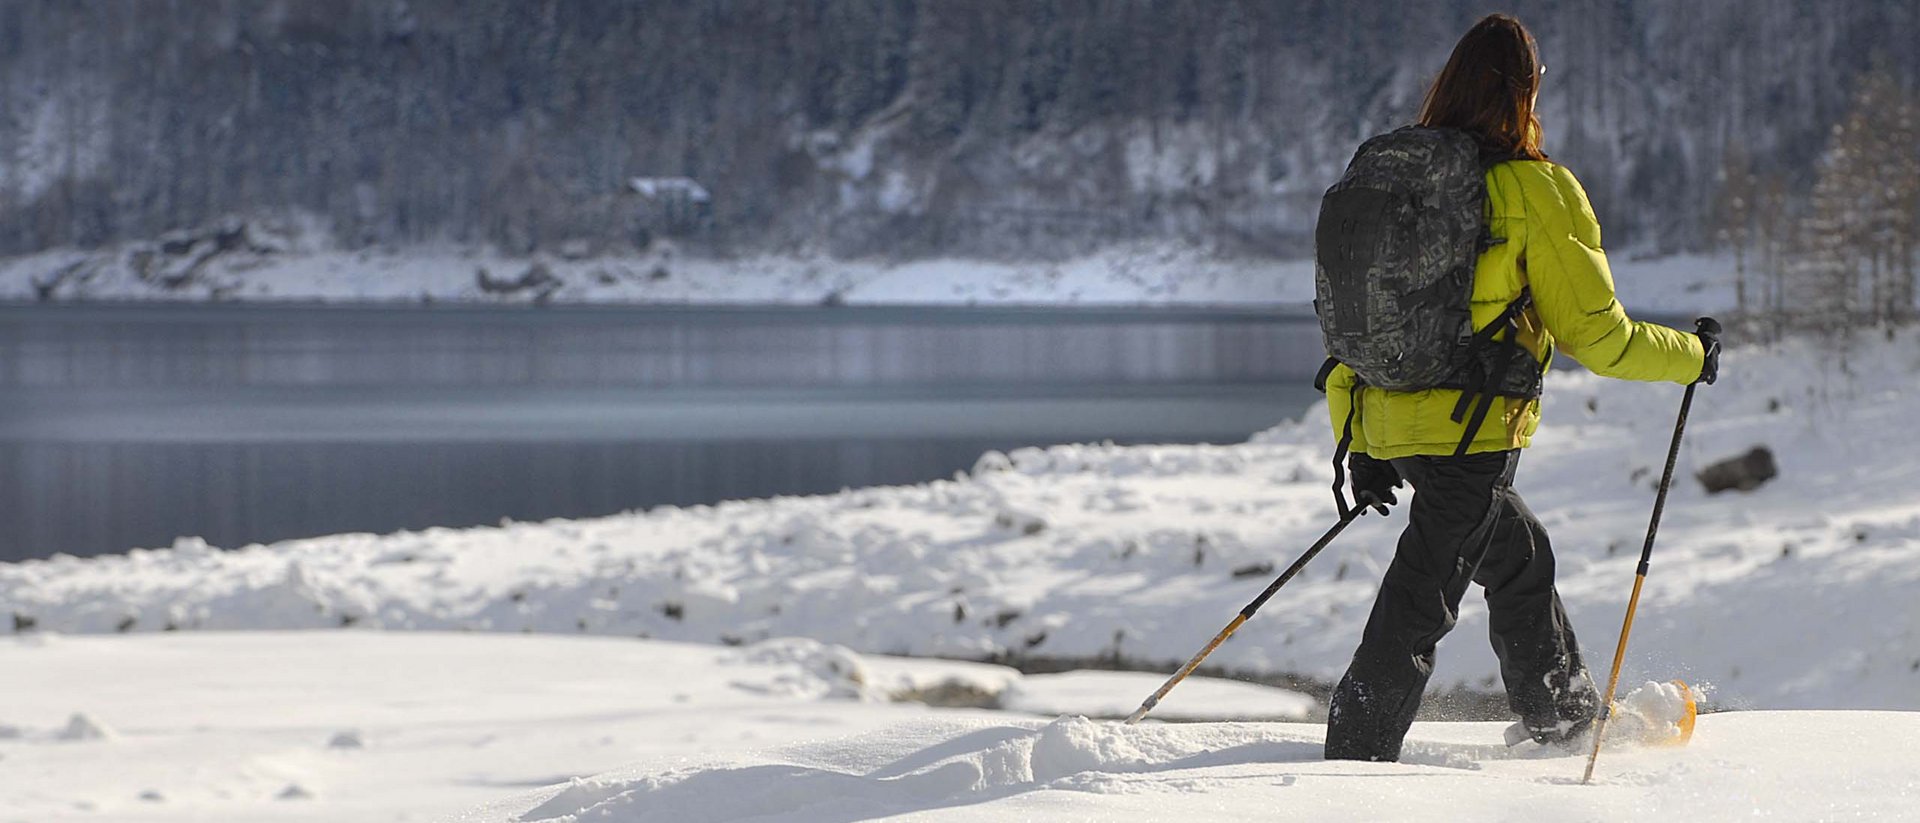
1774	765
1799	594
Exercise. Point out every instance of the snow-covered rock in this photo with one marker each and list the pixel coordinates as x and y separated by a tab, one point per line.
809	669
82	726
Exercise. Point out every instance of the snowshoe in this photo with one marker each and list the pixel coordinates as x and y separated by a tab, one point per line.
1656	714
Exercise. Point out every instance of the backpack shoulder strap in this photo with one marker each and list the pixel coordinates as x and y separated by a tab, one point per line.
1326	371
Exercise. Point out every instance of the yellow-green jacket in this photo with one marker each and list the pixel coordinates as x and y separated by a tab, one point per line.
1553	244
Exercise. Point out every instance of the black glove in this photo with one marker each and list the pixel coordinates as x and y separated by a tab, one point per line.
1709	331
1375	477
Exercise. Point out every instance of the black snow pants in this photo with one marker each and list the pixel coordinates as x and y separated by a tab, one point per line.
1465	522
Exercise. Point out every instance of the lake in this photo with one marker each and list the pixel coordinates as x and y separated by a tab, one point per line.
126	426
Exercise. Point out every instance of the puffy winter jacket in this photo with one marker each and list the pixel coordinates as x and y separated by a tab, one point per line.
1553	244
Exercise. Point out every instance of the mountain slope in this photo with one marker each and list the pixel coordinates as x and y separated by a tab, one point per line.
864	127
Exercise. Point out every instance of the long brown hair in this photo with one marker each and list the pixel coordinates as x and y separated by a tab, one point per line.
1488	88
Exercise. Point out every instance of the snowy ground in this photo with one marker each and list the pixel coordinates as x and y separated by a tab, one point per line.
387	726
287	263
1774	765
374	726
1797	595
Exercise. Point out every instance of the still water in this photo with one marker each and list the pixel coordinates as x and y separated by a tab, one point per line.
126	426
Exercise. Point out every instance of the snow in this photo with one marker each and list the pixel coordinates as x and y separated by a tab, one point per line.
1677	284
566	670
1171	160
1094	551
1116	694
1654	712
511	727
232	726
66	138
412	725
1796	766
293	262
654	187
82	727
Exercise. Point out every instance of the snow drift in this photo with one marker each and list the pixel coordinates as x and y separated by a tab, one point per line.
1785	764
396	726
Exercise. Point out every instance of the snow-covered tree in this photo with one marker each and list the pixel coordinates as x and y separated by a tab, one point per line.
1852	260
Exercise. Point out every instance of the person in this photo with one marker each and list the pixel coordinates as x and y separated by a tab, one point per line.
1466	522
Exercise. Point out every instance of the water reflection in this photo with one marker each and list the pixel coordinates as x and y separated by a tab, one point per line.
128	426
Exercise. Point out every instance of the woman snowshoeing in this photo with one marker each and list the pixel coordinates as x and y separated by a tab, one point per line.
1466	523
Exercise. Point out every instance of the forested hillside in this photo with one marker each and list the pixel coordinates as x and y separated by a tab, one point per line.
989	128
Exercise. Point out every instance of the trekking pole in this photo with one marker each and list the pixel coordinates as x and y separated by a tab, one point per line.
1361	502
1640	574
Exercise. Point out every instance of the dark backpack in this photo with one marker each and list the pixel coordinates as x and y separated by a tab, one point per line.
1394	253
